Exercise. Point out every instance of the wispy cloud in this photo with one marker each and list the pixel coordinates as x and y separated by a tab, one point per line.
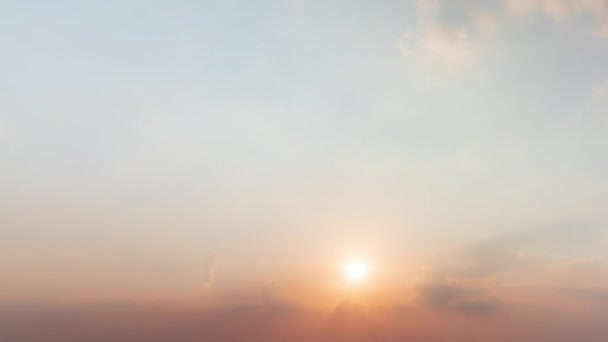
600	90
498	273
449	33
439	44
562	10
209	265
435	41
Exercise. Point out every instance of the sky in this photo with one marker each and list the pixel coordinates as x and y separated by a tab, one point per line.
187	170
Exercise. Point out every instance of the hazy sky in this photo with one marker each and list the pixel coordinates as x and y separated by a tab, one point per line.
227	152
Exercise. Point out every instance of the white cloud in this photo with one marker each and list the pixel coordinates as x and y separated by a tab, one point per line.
484	19
435	42
601	90
209	266
447	44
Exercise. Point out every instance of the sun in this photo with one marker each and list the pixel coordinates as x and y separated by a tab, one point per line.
355	271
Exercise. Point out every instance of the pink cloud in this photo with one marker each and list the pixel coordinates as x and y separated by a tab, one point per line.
452	43
561	11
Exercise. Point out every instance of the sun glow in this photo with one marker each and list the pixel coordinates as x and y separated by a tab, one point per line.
356	271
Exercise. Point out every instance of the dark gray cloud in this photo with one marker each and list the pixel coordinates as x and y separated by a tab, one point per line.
458	298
